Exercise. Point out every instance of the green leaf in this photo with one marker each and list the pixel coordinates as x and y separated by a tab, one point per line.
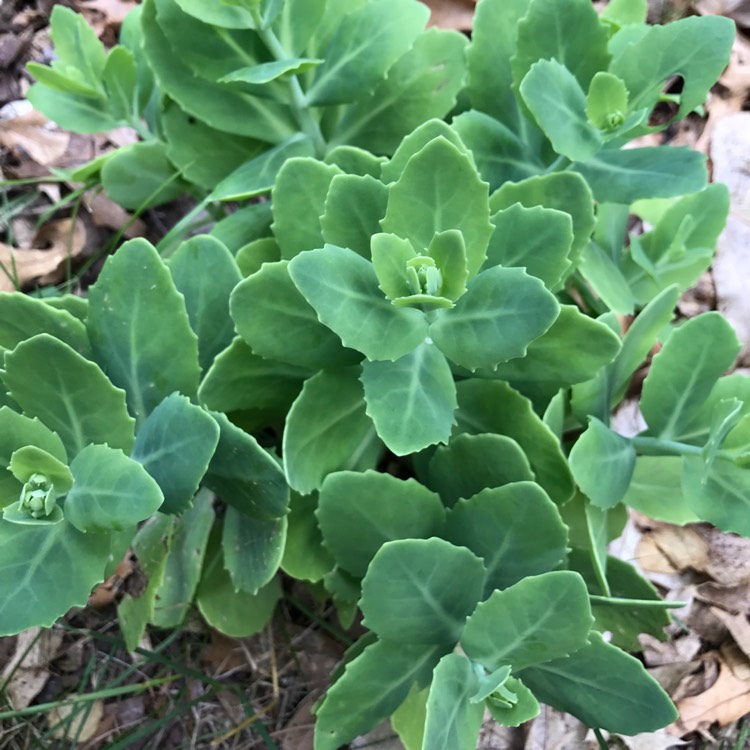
18	431
493	406
224	15
175	445
31	459
257	176
424	83
628	175
252	549
23	316
354	206
234	613
390	257
683	373
607	279
525	709
51	568
355	161
270	71
80	114
568	31
515	529
697	49
221	105
120	79
305	557
548	358
240	380
359	512
440	189
110	491
414	142
453	721
299	20
184	562
536	620
409	594
343	288
244	475
502	312
537	239
409	718
149	363
267	303
582	685
327	429
563	191
412	400
607	101
372	687
558	104
656	490
71	395
140	175
500	155
150	545
77	46
367	42
202	154
205	273
719	494
298	197
254	254
602	463
471	463
622	12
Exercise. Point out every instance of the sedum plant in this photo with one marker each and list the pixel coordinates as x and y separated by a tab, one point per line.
394	379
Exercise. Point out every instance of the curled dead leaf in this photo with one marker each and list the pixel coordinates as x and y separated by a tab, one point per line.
76	721
64	240
32	135
27	672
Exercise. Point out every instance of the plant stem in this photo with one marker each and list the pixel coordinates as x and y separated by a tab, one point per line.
558	165
651	446
600	739
299	107
615	601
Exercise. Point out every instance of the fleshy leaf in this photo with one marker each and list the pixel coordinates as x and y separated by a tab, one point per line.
149	363
253	548
683	373
268	302
453	721
359	512
390	255
110	491
516	529
371	688
409	594
412	400
305	557
471	463
558	104
582	685
502	312
343	288
440	189
70	394
602	463
538	619
327	429
205	273
175	445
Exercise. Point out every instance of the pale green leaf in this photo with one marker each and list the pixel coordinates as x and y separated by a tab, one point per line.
270	71
110	491
412	400
305	557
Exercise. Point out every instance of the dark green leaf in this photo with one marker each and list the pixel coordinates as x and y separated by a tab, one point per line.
515	529
305	557
409	594
359	512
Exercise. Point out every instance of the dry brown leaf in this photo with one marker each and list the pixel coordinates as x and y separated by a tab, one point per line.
82	727
651	741
553	730
739	10
65	239
106	592
106	213
32	135
733	599
452	14
114	11
726	701
738	627
657	653
300	729
28	670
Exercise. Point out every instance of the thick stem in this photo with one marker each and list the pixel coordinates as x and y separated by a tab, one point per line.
299	108
614	601
651	446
